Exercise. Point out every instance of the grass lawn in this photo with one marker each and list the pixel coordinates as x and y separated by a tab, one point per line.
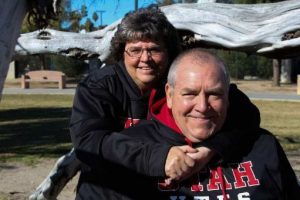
36	126
283	120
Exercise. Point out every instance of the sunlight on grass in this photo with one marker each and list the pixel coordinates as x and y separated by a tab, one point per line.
283	120
28	121
25	101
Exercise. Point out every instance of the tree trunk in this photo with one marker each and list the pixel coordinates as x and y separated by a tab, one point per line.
286	71
43	62
276	72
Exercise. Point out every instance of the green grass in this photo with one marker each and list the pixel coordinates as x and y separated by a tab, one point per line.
283	120
36	126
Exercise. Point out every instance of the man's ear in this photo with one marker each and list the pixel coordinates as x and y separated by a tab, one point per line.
169	94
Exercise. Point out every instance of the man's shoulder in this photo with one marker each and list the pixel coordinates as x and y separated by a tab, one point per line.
266	135
260	142
265	144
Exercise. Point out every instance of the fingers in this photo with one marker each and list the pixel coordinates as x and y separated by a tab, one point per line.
179	164
201	157
188	149
184	161
203	154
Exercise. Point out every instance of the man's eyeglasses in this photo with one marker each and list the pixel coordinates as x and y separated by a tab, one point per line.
137	52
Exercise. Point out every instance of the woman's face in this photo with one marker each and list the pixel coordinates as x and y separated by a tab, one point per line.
146	61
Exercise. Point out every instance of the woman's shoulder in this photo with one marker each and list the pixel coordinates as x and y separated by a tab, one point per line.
104	78
104	72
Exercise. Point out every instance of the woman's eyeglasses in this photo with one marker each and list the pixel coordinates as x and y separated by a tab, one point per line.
137	52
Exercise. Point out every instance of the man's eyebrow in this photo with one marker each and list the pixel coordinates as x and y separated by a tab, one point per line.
216	89
189	90
186	89
219	88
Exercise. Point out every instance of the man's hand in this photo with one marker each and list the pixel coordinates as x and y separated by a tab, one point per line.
184	161
179	163
201	157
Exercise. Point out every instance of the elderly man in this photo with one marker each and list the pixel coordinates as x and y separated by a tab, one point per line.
195	108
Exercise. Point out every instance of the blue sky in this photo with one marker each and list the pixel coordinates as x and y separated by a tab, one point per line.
112	9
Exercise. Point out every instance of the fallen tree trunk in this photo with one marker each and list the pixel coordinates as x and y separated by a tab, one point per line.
271	30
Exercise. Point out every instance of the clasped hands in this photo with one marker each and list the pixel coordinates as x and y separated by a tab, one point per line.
183	161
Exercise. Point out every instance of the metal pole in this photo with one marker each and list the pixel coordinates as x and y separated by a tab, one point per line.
101	15
136	4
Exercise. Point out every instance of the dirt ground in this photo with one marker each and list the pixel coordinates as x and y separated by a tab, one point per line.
18	181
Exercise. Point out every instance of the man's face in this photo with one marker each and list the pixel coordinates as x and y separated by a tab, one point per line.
199	99
148	66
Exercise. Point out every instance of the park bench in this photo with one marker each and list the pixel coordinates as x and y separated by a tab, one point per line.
43	76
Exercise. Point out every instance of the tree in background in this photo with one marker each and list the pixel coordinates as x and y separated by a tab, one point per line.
71	67
241	65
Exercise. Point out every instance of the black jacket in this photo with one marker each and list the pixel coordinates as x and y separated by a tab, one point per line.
259	171
108	100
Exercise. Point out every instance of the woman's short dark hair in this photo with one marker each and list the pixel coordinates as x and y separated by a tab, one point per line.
145	23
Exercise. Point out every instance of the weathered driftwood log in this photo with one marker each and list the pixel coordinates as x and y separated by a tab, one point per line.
265	29
78	45
271	30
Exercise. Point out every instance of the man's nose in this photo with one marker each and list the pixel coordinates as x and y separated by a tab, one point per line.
201	103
